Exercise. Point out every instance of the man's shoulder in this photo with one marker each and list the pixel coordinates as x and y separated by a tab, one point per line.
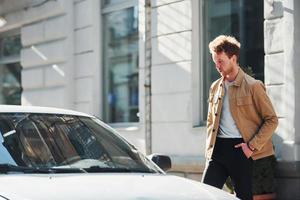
216	83
253	83
249	80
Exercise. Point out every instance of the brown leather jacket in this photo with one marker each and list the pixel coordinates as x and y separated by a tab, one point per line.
251	110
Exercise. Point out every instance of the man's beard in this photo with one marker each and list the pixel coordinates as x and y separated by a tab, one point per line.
226	73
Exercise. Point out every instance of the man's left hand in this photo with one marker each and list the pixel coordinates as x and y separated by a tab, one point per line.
248	152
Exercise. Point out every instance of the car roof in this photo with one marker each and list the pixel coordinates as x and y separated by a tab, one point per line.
39	109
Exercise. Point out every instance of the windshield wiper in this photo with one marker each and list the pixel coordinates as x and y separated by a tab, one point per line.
64	170
6	168
94	169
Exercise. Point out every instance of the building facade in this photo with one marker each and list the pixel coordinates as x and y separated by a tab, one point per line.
143	66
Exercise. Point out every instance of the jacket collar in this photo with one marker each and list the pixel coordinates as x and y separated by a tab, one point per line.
239	78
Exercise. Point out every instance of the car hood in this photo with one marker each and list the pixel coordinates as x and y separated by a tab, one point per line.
105	186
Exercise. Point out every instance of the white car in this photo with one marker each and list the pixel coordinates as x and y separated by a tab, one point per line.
49	153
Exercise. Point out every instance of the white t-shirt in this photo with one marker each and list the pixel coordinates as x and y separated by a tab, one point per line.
227	127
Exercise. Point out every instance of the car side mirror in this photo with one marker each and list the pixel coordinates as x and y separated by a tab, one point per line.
163	161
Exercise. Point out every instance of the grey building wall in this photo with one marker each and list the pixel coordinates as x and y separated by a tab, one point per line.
282	79
60	54
173	132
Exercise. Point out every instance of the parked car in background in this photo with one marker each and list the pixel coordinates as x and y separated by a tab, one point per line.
50	153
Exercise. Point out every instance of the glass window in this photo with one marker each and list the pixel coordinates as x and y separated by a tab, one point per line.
241	19
10	46
10	83
66	141
10	70
120	53
108	2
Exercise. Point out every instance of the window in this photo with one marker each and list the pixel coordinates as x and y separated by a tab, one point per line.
59	141
10	69
110	2
120	62
241	19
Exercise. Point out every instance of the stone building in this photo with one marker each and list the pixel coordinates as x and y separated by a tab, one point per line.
143	67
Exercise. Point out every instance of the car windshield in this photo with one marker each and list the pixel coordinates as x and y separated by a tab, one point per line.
63	143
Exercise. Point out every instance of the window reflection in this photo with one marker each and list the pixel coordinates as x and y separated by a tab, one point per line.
10	70
55	140
10	46
121	65
108	2
10	83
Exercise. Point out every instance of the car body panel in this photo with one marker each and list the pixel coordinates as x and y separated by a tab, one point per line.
38	109
107	186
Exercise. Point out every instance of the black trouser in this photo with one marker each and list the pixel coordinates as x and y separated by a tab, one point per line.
230	161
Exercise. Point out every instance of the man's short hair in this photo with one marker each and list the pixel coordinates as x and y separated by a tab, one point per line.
227	44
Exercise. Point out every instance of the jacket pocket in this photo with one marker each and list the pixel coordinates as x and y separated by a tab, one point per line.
242	101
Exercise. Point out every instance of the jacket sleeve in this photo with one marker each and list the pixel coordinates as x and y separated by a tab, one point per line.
268	115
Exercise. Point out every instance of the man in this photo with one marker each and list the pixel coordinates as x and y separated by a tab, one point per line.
240	122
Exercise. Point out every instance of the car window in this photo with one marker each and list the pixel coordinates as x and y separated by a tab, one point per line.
59	141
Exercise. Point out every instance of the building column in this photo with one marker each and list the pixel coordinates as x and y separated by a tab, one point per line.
282	79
